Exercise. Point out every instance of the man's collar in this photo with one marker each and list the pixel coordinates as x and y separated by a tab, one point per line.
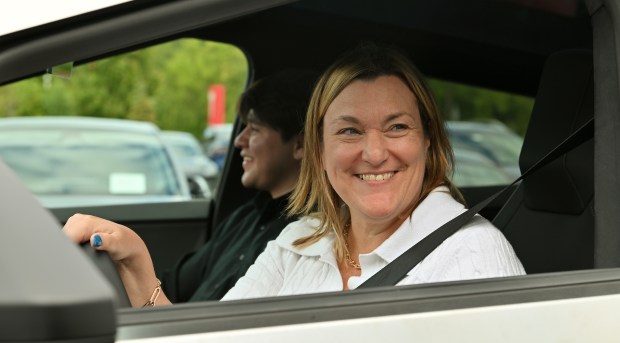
263	200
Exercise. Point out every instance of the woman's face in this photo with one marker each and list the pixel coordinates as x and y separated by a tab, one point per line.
374	148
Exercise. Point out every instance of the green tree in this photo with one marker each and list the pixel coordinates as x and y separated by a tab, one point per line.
464	102
166	84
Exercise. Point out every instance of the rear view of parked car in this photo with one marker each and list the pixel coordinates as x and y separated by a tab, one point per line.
493	140
80	161
217	139
474	169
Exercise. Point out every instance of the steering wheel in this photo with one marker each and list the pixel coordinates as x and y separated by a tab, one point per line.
106	266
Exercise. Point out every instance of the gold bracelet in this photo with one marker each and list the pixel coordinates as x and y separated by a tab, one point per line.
154	296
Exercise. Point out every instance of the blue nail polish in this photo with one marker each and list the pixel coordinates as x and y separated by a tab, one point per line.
97	242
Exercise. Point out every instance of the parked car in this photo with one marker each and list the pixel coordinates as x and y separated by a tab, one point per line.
473	169
201	171
218	138
80	161
563	221
491	139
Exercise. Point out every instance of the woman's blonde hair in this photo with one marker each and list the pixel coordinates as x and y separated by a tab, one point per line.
313	194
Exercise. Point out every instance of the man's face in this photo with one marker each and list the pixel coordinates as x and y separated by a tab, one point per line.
269	163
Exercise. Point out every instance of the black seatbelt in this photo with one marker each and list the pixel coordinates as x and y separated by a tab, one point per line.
396	270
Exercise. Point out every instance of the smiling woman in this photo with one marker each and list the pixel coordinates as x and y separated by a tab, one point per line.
374	181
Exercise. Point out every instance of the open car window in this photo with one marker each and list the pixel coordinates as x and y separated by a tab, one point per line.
98	133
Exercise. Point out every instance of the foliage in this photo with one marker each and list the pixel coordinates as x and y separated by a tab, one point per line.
166	84
463	102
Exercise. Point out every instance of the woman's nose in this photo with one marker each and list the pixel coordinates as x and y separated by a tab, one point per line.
375	150
241	140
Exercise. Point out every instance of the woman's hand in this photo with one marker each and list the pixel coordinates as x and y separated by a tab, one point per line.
127	250
122	244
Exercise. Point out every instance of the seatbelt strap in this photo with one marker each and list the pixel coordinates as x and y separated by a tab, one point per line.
396	270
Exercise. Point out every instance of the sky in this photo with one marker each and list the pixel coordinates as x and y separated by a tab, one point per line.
22	14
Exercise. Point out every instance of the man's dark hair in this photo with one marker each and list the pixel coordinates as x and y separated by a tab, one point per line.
280	101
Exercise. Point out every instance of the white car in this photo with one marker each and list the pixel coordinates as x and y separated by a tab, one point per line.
562	220
218	137
199	169
83	161
493	140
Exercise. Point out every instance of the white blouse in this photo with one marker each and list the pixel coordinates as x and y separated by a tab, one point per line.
477	250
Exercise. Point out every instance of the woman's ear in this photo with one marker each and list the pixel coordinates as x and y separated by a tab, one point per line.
298	147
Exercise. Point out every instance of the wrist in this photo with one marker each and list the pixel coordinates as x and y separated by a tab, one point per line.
154	296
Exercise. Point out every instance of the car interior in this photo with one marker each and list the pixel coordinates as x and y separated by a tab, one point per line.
560	220
549	219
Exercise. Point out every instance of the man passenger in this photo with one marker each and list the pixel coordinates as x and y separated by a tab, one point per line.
271	144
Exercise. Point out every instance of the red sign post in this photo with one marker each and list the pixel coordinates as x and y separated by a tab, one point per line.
216	104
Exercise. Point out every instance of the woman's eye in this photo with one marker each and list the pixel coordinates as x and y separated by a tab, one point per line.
399	127
348	131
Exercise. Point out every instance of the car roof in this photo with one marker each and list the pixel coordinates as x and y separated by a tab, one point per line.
472	156
90	123
483	127
180	136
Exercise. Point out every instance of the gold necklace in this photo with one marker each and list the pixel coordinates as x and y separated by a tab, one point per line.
350	261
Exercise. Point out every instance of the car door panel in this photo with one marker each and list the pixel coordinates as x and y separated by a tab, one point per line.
169	230
443	300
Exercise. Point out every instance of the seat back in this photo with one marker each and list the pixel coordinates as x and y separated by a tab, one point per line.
549	219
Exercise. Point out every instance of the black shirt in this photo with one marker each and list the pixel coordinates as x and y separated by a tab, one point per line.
212	270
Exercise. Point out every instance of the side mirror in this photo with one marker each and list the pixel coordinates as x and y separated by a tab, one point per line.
198	187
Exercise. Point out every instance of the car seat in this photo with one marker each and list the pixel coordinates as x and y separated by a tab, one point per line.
549	219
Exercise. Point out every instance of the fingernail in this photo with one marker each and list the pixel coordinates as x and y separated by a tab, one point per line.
97	242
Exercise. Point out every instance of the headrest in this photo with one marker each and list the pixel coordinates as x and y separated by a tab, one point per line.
564	102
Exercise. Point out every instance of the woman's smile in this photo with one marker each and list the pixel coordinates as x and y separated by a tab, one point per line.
376	177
